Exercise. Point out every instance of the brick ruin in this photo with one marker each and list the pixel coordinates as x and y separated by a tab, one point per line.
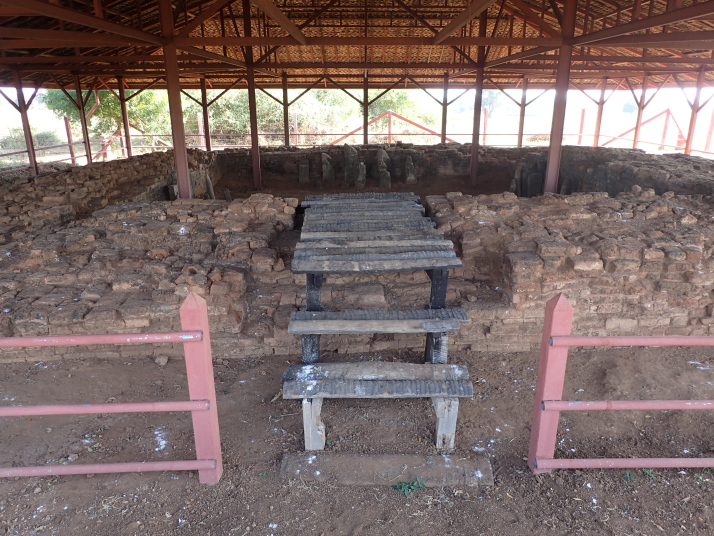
99	248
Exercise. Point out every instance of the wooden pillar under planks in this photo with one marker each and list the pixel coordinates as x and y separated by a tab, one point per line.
481	61
183	179
695	112
365	110
444	108
562	83
22	108
70	140
286	111
206	121
83	119
640	110
252	105
600	110
124	115
522	114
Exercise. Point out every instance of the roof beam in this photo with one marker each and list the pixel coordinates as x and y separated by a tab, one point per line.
69	15
58	38
694	40
532	17
366	41
272	11
520	56
472	11
210	12
669	17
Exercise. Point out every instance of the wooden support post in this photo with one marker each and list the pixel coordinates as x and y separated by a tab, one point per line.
522	114
695	112
311	343
666	127
582	124
562	83
389	127
205	119
70	140
22	107
485	125
252	106
444	107
600	110
286	111
312	424
365	109
83	119
709	133
447	411
173	86
124	115
437	344
473	171
640	110
437	348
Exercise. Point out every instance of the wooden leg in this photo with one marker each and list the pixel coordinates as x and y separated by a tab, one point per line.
437	348
447	409
310	349
314	286
313	425
439	282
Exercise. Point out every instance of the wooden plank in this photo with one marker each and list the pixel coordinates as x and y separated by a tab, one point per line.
374	370
346	327
370	225
368	215
405	206
447	410
409	254
423	234
346	244
377	389
454	313
386	469
300	266
349	198
313	426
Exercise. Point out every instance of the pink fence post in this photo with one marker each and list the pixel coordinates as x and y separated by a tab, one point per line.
201	386
549	385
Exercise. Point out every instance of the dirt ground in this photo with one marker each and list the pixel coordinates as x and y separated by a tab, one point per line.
257	428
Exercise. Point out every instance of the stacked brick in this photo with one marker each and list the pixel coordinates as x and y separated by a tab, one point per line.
635	264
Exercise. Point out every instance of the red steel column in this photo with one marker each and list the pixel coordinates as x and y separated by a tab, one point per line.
695	113
709	133
561	96
22	106
70	141
640	110
582	124
124	114
600	110
206	122
481	60
444	108
83	120
522	115
365	110
286	111
252	105
183	179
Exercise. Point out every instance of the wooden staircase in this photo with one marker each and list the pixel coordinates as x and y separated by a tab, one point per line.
374	233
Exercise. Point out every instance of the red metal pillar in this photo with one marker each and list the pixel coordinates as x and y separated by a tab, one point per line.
83	120
124	114
666	126
582	124
549	383
695	113
70	140
522	115
365	110
481	61
562	83
444	108
22	107
286	111
389	126
600	110
640	111
183	179
252	105
709	133
206	122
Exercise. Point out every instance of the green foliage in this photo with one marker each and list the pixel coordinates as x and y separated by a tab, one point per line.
627	476
15	140
407	488
649	473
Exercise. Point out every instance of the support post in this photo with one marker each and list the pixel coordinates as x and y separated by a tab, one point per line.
83	119
640	110
695	113
183	179
311	343
365	110
549	384
124	115
522	114
473	171
252	106
582	124
562	83
444	108
286	111
600	110
447	410
485	126
709	133
206	122
437	344
70	140
666	127
313	426
22	106
389	127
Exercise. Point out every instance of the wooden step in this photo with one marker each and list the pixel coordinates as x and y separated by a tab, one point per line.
376	380
349	198
441	246
424	233
310	266
360	321
405	206
370	225
340	244
369	215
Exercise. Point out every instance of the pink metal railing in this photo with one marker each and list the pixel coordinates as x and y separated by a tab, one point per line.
549	391
202	404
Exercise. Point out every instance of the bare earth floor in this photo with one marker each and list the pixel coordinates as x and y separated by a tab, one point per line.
258	427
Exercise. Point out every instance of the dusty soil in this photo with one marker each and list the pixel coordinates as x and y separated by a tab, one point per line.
257	428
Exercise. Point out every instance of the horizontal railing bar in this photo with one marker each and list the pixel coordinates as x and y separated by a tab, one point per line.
124	407
626	405
98	468
112	338
623	463
560	341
